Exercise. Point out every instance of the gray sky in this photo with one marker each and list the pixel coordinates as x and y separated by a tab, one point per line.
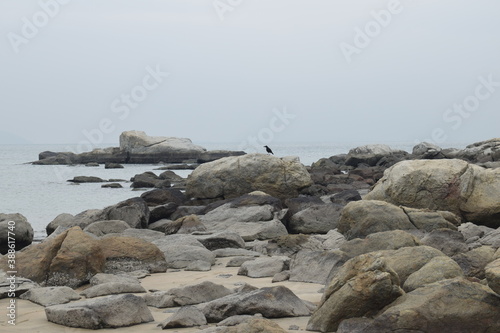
276	70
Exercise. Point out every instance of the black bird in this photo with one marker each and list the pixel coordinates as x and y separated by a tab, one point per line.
269	151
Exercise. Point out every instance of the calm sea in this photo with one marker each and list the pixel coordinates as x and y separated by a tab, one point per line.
42	192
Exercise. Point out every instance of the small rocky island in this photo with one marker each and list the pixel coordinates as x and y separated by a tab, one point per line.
138	148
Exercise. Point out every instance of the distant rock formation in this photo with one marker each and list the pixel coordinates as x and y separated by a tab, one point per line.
137	147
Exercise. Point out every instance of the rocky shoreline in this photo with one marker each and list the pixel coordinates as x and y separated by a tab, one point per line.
376	240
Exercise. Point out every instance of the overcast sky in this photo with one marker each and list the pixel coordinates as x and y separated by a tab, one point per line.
226	70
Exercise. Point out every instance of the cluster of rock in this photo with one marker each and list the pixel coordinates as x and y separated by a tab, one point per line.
419	252
139	148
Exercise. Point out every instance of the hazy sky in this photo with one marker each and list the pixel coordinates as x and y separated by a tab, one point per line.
226	70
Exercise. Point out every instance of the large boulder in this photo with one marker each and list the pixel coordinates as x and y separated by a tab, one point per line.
106	312
493	275
363	286
187	316
482	152
271	302
450	185
134	211
371	154
317	219
15	230
234	176
437	269
454	305
315	266
264	267
182	250
47	296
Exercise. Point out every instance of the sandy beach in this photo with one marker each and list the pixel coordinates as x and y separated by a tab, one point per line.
31	317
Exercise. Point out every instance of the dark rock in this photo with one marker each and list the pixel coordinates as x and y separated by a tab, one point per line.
474	262
187	316
161	212
87	179
315	266
133	211
92	164
15	230
101	228
163	196
110	165
112	185
450	242
315	219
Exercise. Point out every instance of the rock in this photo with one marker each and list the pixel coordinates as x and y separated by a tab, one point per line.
182	211
46	296
264	267
344	197
187	225
162	212
189	295
492	272
106	312
418	311
238	261
81	220
315	266
369	154
255	325
87	179
361	218
179	255
231	177
318	219
163	196
101	228
133	211
70	259
428	220
110	288
144	234
448	241
437	269
334	240
470	230
232	252
112	185
198	266
386	240
236	320
101	278
15	230
92	164
281	276
127	254
289	245
187	316
221	240
163	225
271	302
481	152
449	185
474	262
363	286
492	238
295	205
18	286
428	151
148	179
110	165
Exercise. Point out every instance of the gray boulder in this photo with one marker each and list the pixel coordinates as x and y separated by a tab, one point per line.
492	272
264	267
473	263
17	227
221	240
47	296
370	154
111	288
134	211
87	179
101	278
231	177
315	266
448	241
181	251
20	285
271	302
187	316
105	312
101	228
318	219
189	295
437	269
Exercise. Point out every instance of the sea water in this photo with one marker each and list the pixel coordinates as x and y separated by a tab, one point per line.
40	192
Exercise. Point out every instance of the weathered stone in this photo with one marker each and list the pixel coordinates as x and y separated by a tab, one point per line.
112	185
110	288
492	272
289	245
161	212
361	218
163	196
187	316
437	269
87	179
181	251
449	185
238	261
363	286
281	276
110	311
133	211
369	154
454	305
334	240
19	284
264	267
254	325
234	176
315	266
428	220
474	262
448	241
47	296
271	302
17	227
189	295
315	219
101	228
221	240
